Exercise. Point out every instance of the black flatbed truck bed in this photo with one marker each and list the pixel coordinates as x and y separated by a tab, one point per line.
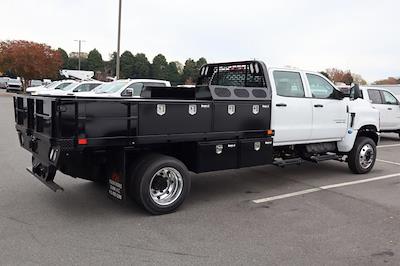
144	148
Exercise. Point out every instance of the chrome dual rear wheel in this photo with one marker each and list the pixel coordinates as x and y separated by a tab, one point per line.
166	186
159	183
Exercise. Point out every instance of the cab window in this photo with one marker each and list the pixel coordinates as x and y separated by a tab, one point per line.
320	88
83	87
375	96
388	98
93	86
63	85
86	87
288	84
136	87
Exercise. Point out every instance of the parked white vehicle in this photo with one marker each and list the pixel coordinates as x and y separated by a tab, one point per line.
75	87
14	85
60	84
3	82
36	83
394	89
387	104
124	88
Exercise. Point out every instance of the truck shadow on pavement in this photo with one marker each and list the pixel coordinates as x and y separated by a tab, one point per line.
90	200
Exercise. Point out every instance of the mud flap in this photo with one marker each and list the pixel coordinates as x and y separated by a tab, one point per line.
117	176
45	174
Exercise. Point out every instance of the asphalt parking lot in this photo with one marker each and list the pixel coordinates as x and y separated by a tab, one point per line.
220	224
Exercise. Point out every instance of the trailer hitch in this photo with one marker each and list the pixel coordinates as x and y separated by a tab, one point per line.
33	144
45	174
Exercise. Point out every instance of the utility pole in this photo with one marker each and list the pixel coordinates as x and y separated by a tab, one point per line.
79	53
119	40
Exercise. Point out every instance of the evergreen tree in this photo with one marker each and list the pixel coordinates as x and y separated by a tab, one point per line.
95	61
126	65
189	72
173	73
159	67
141	67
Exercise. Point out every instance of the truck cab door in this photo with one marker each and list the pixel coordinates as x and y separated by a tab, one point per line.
391	110
291	116
330	115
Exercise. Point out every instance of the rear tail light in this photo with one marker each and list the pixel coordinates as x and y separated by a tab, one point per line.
83	141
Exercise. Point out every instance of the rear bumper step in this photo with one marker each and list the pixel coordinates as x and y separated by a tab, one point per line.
49	183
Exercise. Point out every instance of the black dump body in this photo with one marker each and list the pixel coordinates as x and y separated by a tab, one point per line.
77	135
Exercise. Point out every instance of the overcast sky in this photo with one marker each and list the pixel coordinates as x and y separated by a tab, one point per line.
359	35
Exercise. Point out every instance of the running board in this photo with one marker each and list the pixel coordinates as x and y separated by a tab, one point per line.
50	184
287	162
325	157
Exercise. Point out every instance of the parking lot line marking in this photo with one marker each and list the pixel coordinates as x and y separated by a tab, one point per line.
312	190
389	162
388	146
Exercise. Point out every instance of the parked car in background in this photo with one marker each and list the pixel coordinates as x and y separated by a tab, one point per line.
387	104
14	85
60	84
395	89
3	82
46	82
36	83
124	88
344	88
84	86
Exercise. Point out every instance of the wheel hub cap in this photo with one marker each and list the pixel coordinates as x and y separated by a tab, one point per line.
166	186
367	156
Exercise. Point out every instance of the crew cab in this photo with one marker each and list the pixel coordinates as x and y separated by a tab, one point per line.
387	104
124	88
240	114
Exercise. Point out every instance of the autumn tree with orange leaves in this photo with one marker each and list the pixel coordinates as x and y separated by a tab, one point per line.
338	75
29	60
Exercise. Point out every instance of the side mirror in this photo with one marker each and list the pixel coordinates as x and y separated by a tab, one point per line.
128	92
340	95
355	92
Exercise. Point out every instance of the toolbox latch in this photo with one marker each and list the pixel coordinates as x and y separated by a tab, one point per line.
161	109
256	109
219	148
231	109
192	109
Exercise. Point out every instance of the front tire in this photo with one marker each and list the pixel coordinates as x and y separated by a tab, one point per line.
160	183
363	156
